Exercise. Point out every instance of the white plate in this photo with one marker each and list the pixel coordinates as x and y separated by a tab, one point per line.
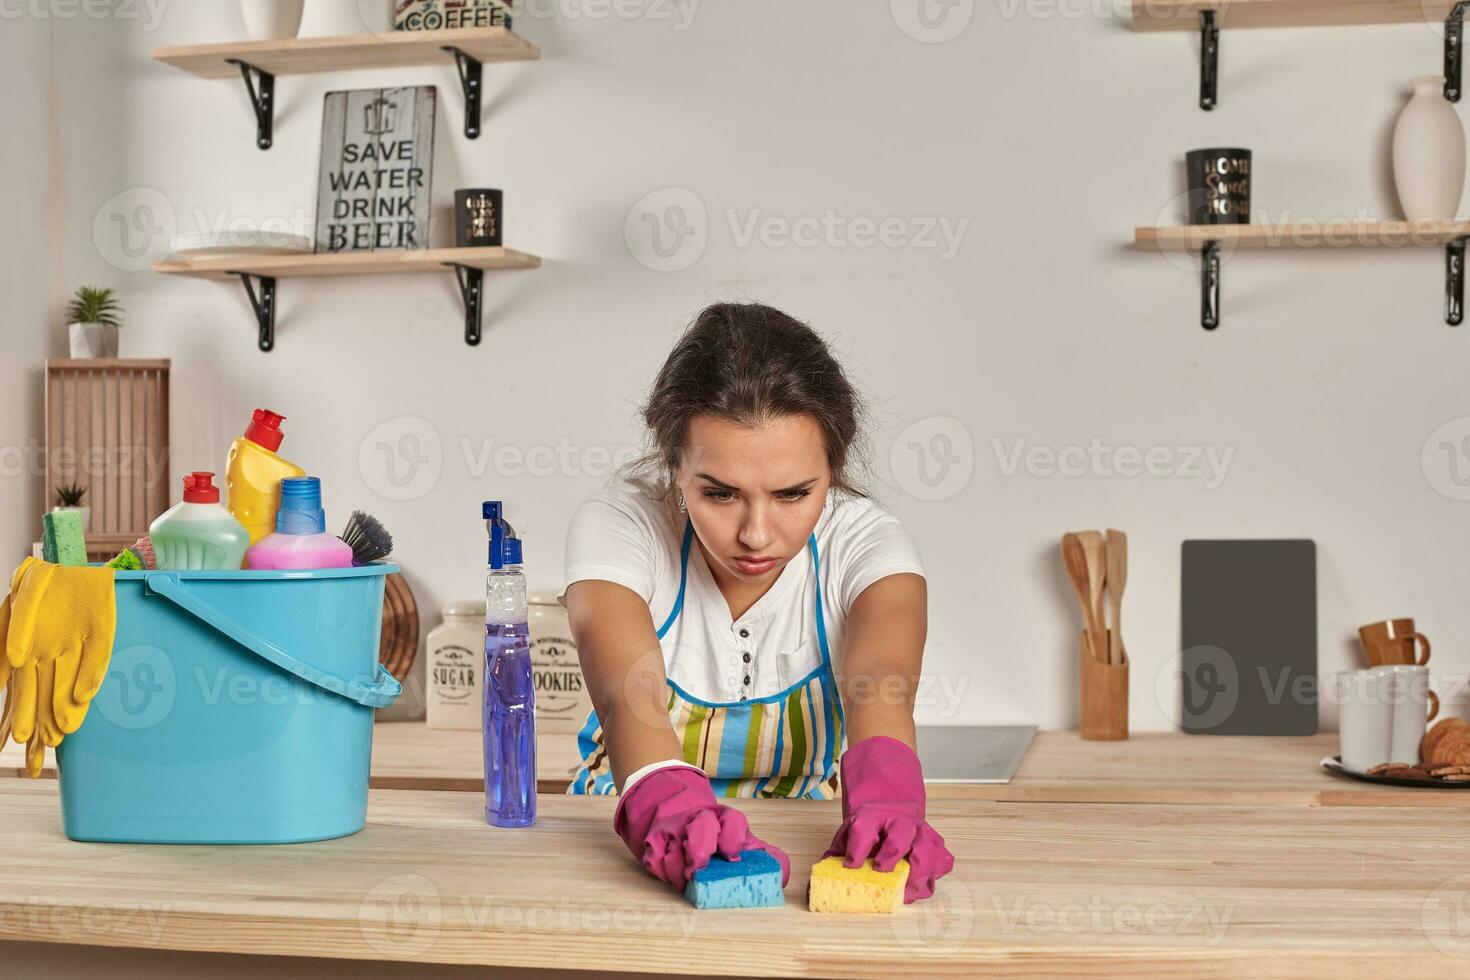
207	244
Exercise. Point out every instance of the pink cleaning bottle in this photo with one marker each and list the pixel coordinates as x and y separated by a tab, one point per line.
301	540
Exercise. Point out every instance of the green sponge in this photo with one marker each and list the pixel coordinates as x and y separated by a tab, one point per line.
838	888
62	541
753	882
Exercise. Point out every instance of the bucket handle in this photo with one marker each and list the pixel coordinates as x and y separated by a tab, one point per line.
380	694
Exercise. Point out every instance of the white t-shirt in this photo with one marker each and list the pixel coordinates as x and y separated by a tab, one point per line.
626	535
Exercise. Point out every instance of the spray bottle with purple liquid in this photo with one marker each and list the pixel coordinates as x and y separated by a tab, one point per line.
510	696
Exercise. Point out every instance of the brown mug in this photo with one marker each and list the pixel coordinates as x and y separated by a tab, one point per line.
1394	641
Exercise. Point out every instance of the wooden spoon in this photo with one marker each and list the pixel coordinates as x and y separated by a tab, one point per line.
1074	557
1117	545
1096	550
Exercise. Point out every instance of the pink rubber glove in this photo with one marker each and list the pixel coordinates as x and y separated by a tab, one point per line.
671	823
883	815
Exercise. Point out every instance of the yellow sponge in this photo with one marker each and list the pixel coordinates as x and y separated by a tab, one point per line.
836	888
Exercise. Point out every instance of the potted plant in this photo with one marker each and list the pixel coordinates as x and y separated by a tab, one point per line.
69	497
93	316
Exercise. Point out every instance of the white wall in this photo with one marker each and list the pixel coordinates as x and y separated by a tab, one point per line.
28	330
1051	134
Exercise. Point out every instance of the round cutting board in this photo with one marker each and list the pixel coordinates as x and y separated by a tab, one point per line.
400	641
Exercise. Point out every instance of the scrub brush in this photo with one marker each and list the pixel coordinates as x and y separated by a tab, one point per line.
368	538
137	557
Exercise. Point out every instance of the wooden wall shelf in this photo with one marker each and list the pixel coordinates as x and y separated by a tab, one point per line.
1303	234
1183	15
259	273
1209	17
303	55
259	62
1209	240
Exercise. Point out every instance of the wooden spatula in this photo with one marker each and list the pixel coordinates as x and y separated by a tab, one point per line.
1096	550
1074	557
1117	551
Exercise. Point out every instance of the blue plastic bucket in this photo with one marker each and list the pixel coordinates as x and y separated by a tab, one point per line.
237	709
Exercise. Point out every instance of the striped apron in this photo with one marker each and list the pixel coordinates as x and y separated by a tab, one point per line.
784	745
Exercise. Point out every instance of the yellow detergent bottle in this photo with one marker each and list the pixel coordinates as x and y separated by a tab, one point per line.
254	472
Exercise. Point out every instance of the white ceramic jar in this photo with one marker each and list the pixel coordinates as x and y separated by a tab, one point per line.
454	677
562	701
1429	153
271	20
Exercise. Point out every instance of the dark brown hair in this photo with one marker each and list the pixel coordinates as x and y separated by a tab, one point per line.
750	364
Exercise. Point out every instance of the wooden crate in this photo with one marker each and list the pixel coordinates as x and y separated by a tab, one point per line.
107	429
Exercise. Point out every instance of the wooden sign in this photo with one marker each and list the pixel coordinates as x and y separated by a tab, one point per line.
377	170
434	15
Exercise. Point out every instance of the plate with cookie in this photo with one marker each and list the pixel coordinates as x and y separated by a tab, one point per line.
1445	764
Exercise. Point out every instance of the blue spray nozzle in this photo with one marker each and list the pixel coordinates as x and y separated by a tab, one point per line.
505	547
301	506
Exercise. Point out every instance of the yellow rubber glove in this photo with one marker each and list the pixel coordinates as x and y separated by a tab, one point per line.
58	643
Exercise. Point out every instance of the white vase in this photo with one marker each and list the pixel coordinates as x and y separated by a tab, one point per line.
1429	153
271	20
93	339
338	18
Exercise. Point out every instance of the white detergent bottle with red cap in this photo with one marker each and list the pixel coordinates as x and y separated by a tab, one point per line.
301	540
198	533
253	474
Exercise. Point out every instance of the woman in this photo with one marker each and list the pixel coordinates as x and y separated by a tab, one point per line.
745	611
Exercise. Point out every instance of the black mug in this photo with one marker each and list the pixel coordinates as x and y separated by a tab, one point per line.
1219	186
479	217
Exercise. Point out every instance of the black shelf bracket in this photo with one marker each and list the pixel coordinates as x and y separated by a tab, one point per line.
1454	35
471	78
471	289
1209	67
265	306
262	88
1210	281
1454	294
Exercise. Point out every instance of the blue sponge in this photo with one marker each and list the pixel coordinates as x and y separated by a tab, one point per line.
753	882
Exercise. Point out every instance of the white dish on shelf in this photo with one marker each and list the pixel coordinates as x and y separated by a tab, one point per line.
210	244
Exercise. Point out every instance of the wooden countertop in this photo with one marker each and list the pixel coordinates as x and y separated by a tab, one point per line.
1155	767
1040	889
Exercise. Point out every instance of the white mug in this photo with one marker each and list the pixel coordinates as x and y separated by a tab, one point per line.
1406	687
1365	720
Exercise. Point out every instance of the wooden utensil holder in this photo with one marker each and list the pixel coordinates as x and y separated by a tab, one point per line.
1104	696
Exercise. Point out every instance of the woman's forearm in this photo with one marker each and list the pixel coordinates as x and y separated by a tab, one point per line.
624	670
883	658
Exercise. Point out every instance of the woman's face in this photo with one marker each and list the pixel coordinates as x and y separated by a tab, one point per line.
754	494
